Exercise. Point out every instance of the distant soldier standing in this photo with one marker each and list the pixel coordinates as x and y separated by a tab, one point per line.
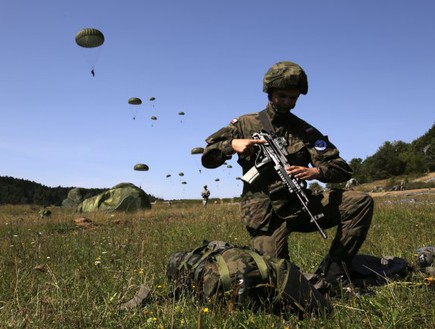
268	210
205	195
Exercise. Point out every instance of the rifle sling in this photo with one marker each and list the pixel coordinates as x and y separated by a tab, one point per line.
267	125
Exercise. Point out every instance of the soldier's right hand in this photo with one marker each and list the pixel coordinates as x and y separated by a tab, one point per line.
245	146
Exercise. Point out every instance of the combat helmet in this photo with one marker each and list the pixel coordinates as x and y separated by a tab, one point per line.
285	75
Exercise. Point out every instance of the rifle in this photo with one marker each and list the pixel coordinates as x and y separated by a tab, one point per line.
274	150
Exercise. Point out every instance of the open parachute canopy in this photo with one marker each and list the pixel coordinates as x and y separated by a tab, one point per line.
152	99
141	167
197	150
134	101
153	118
89	38
180	113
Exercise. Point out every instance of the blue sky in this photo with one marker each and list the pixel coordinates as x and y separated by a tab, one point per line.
370	67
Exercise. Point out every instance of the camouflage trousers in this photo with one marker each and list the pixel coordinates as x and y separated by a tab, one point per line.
350	211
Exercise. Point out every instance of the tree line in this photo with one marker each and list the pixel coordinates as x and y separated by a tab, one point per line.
397	158
22	191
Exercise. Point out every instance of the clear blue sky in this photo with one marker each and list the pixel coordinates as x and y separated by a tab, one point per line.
370	66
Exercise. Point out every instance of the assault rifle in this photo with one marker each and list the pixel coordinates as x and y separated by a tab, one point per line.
274	150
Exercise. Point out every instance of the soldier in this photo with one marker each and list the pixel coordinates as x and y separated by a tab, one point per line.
205	194
268	210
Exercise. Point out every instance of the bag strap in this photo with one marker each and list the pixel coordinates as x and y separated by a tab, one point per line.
261	264
224	272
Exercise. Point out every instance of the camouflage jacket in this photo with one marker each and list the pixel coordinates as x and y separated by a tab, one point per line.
306	146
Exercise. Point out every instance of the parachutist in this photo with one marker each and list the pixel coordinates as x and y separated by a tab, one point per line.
93	73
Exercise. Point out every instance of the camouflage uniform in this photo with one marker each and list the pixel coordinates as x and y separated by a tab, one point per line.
269	212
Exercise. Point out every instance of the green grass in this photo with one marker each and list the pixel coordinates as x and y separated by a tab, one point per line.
57	274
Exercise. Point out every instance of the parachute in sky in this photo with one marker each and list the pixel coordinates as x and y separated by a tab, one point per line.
197	150
152	99
134	101
183	182
217	180
90	38
141	167
153	118
181	113
229	166
181	174
168	175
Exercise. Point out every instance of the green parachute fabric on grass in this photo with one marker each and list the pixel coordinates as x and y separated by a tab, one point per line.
74	198
122	197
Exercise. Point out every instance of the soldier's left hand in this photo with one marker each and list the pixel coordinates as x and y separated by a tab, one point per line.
305	173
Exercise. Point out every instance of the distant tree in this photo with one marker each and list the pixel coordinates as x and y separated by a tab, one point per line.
386	161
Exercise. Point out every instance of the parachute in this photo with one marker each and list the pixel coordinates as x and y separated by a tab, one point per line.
181	174
152	99
217	180
183	183
197	150
134	101
168	175
153	118
181	113
89	38
141	167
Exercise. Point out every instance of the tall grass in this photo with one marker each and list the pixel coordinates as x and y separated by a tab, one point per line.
58	274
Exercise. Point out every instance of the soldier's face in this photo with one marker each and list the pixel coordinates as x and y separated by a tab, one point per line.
284	99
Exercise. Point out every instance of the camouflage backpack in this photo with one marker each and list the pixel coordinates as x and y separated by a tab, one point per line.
218	272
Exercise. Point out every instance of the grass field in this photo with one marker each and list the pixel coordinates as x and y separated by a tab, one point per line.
56	273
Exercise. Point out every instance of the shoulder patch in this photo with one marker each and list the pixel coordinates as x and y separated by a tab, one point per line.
320	145
234	121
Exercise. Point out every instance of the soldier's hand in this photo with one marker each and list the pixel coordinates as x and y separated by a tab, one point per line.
304	173
245	146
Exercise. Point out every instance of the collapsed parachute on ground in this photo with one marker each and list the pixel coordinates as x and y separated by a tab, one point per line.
134	101
74	198
89	38
122	197
141	167
197	150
